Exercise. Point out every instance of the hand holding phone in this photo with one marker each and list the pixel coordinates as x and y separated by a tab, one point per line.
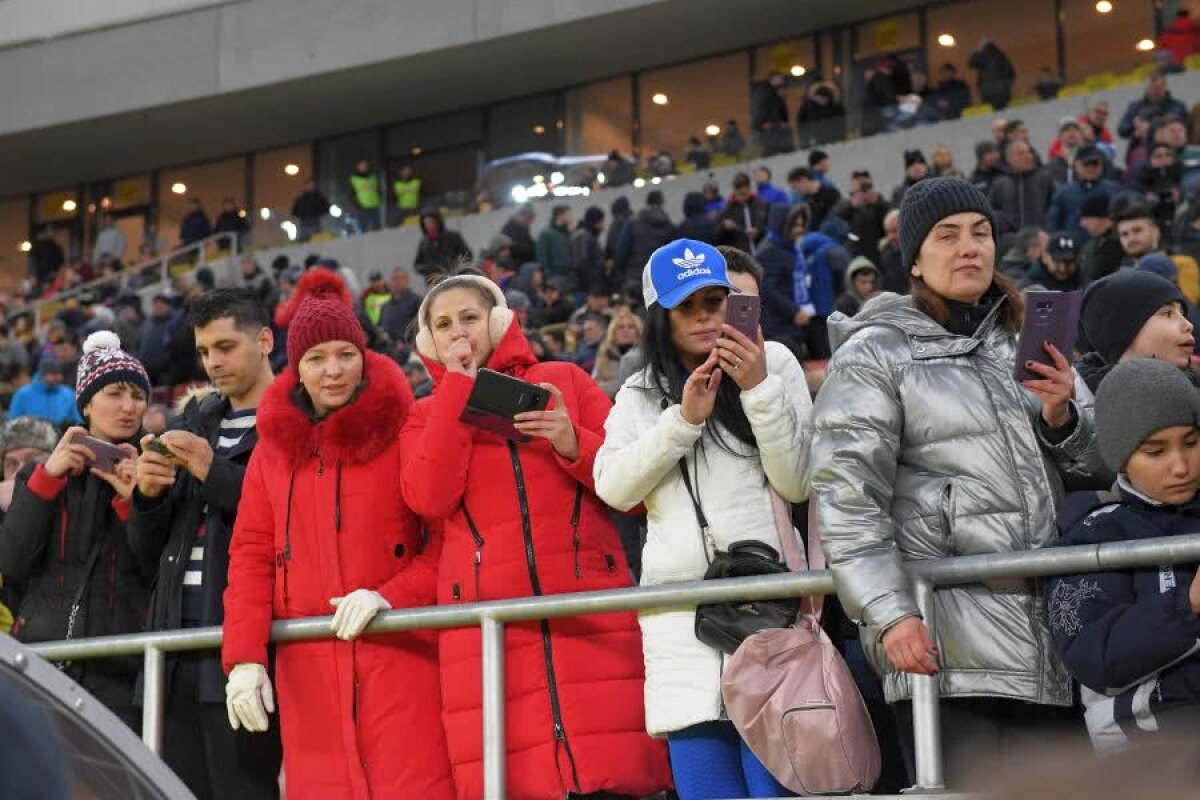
742	312
106	456
497	399
1050	318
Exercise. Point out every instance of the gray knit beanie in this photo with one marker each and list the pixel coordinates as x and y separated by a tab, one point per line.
1138	398
21	432
928	202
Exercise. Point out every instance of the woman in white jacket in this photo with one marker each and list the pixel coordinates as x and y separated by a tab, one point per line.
736	414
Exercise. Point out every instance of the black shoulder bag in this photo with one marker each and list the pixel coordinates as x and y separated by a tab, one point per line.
723	626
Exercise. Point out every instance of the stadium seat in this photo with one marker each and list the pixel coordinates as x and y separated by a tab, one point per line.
977	110
1099	81
1074	90
323	236
1143	71
1025	100
1192	61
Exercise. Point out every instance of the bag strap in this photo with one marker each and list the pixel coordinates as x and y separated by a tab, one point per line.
706	539
77	600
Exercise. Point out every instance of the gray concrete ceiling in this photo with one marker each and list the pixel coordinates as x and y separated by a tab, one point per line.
294	111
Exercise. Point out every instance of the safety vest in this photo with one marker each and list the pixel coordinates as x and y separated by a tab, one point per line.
408	194
366	190
373	305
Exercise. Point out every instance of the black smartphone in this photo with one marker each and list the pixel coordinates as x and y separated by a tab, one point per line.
1049	317
156	446
497	398
107	455
742	312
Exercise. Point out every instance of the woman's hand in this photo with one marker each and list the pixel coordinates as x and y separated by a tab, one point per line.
69	457
554	425
124	475
742	360
460	359
909	647
1056	388
700	391
155	472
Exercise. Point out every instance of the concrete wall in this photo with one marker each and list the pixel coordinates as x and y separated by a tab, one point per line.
881	155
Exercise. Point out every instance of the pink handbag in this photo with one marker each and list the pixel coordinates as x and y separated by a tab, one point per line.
794	701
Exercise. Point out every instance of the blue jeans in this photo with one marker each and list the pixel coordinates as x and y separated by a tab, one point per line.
710	761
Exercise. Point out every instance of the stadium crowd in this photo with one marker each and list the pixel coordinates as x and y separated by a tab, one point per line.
325	467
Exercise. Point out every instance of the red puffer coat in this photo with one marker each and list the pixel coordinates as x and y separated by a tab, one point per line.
321	516
575	715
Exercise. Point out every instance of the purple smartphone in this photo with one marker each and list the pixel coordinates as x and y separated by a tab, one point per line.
1049	317
107	455
742	312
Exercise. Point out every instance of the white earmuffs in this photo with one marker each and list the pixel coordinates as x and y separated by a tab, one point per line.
499	319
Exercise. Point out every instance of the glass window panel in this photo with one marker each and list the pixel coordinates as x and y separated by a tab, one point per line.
600	117
447	177
435	133
336	159
699	94
530	124
887	35
210	183
14	231
56	206
785	57
1023	29
1098	42
279	178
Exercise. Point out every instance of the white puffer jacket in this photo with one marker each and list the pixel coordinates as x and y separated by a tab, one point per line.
639	462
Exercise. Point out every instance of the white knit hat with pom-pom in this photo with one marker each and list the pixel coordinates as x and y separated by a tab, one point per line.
104	362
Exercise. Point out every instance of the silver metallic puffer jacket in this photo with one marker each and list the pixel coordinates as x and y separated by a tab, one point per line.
924	447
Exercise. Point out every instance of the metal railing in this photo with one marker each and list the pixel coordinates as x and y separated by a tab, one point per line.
154	271
493	615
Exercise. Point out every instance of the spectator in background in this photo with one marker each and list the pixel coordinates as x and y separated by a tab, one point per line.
891	265
418	378
988	166
1140	140
14	357
109	240
661	164
157	419
439	246
622	336
731	142
496	259
647	232
943	163
1025	252
375	297
1140	237
1159	182
1023	195
951	94
995	74
819	164
764	188
586	254
194	226
310	207
821	251
1102	252
46	397
1048	85
862	283
397	314
556	306
22	439
745	214
1096	118
1000	133
591	336
66	353
45	257
258	282
620	215
819	197
154	338
407	191
714	203
786	308
1058	268
364	186
518	231
554	243
879	96
618	171
698	154
769	115
1157	100
1066	207
1181	38
1065	149
696	224
821	117
231	219
916	169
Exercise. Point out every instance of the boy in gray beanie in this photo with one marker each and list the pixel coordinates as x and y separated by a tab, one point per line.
1129	636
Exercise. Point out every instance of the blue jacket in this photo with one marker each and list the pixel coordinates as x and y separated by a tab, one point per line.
780	262
1067	204
40	399
1128	636
1168	105
772	194
821	281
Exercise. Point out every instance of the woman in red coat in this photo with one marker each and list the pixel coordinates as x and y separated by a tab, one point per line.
521	520
321	528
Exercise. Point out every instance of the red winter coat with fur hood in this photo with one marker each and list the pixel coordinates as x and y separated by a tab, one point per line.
575	718
321	516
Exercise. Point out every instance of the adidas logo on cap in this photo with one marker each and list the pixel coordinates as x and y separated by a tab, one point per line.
692	265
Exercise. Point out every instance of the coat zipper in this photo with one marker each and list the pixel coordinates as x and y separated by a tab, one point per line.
575	526
479	543
560	731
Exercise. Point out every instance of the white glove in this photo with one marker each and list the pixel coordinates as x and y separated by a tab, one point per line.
355	612
249	697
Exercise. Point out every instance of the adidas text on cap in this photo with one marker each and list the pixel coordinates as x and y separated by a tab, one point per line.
679	268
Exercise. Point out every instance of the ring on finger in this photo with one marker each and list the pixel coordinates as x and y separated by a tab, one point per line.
738	365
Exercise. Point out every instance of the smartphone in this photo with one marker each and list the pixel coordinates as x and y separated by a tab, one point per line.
497	398
1049	317
156	446
107	455
742	312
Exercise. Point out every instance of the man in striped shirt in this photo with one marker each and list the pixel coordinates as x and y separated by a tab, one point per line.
183	518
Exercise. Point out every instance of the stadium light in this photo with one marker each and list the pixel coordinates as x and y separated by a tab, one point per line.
416	151
178	188
1104	6
798	71
659	99
70	205
289	228
1145	45
656	180
335	211
264	212
638	183
292	169
539	178
519	195
557	177
25	246
600	179
713	130
946	40
538	130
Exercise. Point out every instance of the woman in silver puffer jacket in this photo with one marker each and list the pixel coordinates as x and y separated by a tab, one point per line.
925	447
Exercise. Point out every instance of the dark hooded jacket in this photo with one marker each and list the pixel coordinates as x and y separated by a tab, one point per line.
438	251
696	223
648	231
778	257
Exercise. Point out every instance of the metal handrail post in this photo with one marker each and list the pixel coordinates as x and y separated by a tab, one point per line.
494	756
927	725
154	698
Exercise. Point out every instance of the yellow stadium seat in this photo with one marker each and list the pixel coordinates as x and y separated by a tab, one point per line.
723	160
322	236
1074	90
978	110
1143	71
1025	100
1101	80
1192	61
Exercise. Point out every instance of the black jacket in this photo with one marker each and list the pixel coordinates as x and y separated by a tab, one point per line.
46	541
866	222
522	248
777	257
1023	198
586	253
398	313
437	253
310	206
648	231
751	214
162	531
696	223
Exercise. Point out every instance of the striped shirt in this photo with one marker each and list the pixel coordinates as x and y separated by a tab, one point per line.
234	427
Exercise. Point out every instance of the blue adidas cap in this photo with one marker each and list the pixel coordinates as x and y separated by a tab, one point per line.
677	269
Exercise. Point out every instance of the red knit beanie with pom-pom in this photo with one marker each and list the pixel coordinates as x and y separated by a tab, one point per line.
321	311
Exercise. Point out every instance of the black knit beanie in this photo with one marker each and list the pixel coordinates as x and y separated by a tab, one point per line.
1117	306
930	201
1138	398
